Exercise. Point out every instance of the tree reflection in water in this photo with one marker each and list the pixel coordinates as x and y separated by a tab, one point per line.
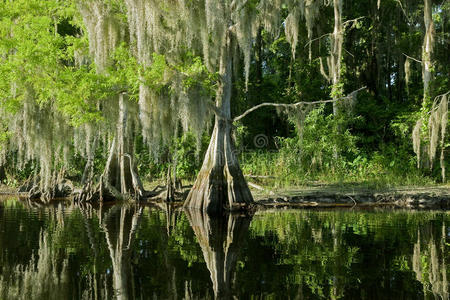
120	224
44	277
220	239
429	262
137	252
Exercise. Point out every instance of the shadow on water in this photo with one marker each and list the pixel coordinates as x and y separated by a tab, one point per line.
64	251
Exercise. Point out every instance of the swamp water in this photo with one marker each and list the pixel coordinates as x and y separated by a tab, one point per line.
136	252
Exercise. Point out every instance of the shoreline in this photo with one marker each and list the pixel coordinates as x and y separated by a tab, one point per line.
330	196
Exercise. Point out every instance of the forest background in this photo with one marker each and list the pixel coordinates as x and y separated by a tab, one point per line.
64	77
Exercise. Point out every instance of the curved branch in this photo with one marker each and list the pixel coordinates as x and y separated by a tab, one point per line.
404	12
285	105
310	41
412	58
352	21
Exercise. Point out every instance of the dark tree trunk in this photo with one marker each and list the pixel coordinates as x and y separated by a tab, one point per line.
258	58
220	183
170	189
88	172
2	175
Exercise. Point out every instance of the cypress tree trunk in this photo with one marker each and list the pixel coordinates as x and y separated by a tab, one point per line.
88	172
119	179
220	182
336	56
336	53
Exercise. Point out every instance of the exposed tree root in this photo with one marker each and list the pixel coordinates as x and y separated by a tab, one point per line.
33	188
118	181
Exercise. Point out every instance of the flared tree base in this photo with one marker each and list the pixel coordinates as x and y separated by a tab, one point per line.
217	190
119	180
220	185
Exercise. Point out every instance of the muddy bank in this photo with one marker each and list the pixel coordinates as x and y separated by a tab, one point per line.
427	197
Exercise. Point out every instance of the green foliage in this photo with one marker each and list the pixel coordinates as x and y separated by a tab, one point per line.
41	43
313	159
188	156
154	75
196	74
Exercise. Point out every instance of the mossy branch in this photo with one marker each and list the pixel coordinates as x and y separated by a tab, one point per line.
293	105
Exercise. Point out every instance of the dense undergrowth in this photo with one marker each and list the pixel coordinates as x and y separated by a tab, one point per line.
319	155
326	157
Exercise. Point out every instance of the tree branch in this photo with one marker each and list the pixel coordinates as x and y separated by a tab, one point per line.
326	34
352	21
419	61
404	12
310	41
442	95
285	105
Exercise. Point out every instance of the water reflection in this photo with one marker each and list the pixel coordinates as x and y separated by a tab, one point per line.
137	252
120	225
44	273
220	239
429	262
44	277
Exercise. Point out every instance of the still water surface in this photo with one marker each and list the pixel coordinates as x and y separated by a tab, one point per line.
135	252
